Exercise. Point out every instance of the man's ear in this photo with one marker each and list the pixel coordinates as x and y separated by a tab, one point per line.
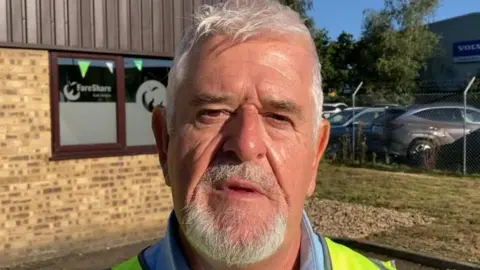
160	131
323	134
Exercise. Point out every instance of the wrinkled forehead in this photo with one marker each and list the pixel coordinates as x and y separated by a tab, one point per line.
295	50
288	61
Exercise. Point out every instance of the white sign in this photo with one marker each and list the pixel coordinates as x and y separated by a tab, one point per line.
150	94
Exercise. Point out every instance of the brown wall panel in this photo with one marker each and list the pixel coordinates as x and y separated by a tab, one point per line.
177	21
142	27
46	21
147	26
113	28
187	11
60	12
158	25
17	21
168	37
136	25
86	25
99	23
73	23
124	24
31	27
3	21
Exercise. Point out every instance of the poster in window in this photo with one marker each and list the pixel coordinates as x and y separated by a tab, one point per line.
145	87
86	80
87	107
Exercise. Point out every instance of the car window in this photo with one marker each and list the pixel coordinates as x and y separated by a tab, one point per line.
441	114
380	121
473	116
342	117
368	117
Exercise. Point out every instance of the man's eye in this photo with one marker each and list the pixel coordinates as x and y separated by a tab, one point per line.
211	116
278	119
211	113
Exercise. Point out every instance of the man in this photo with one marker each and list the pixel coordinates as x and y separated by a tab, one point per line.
240	142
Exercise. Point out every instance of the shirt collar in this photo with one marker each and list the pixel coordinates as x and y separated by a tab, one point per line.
167	254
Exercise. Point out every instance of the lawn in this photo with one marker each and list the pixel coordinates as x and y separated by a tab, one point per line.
453	202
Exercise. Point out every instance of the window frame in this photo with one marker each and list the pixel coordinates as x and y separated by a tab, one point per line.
120	148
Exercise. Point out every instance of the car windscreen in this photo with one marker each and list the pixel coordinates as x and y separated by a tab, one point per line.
343	117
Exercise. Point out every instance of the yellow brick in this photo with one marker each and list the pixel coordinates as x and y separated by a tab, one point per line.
46	194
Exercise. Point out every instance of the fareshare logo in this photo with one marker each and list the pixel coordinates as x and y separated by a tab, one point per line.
73	90
150	94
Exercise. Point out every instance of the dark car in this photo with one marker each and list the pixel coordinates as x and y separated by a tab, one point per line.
375	137
342	123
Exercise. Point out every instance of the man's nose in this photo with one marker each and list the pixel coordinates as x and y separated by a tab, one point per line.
245	136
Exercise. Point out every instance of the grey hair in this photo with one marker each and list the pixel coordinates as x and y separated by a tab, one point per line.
241	20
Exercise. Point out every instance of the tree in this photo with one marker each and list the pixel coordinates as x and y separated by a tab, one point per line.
302	7
396	44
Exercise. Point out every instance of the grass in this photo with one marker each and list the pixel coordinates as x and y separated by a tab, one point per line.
453	201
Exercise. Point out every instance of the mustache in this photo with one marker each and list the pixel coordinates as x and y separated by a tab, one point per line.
218	173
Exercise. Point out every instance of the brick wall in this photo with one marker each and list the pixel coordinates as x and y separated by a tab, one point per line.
51	208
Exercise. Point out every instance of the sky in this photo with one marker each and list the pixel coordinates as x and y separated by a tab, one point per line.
347	15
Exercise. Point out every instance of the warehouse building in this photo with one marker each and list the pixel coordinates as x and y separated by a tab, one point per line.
458	58
78	80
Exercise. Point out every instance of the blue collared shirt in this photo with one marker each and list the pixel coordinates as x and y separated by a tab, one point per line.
167	255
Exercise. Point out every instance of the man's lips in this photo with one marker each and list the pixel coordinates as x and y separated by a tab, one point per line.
239	185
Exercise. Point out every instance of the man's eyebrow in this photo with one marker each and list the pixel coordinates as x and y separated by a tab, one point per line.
286	106
202	99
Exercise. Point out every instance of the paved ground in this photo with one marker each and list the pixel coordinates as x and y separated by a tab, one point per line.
104	259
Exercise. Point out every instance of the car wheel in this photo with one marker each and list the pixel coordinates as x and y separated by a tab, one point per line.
421	153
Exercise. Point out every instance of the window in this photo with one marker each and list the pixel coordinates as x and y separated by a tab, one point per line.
145	87
368	117
101	105
343	117
473	116
441	114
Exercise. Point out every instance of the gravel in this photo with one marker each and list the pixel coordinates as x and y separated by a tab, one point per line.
339	219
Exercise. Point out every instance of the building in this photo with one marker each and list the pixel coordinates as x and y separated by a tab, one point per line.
459	54
78	79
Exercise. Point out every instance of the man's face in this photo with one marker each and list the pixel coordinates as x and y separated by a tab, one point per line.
242	158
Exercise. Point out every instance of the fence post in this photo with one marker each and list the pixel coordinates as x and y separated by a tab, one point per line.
465	93
353	117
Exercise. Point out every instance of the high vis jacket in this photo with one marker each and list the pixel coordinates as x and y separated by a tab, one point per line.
316	253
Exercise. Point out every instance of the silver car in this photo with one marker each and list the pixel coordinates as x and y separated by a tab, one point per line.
423	127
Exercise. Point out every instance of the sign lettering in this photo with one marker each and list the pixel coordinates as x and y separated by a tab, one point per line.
73	91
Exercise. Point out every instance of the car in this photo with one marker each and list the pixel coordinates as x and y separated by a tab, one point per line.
332	108
413	131
375	135
342	123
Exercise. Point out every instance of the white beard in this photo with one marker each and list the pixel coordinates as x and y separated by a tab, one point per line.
257	243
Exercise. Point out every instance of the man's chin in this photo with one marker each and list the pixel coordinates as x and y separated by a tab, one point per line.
231	236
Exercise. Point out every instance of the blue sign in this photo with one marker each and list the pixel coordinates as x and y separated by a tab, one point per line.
466	51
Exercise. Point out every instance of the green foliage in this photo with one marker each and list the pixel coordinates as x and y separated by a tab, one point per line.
394	46
302	6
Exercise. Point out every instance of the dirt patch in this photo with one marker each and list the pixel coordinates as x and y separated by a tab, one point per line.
339	219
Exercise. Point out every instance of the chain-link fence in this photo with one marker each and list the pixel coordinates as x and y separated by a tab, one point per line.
436	127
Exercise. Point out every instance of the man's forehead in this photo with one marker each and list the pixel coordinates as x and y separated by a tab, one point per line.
269	45
217	62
